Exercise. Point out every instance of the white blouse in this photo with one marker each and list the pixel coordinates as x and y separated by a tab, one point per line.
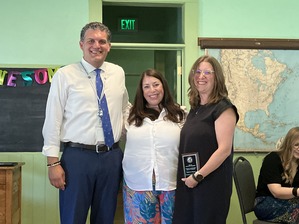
152	146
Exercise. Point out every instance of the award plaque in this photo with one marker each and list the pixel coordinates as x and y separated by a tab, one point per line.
190	163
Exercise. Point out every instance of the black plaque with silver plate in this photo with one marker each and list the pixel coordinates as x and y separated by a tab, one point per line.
190	163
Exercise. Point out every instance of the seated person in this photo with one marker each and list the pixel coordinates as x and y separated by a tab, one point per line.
277	189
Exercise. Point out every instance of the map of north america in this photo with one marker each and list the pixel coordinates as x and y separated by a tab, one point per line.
263	86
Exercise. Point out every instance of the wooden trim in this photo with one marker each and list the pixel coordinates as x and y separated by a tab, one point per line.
248	43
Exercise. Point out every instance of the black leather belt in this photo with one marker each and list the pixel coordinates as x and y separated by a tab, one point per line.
97	148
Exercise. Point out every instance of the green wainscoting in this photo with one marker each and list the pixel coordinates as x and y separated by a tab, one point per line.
40	199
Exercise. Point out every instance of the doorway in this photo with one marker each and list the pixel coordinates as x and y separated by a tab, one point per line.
146	36
135	61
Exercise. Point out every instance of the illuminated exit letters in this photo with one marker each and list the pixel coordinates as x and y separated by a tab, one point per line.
128	24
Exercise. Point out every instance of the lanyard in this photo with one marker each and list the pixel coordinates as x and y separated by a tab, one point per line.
93	85
100	112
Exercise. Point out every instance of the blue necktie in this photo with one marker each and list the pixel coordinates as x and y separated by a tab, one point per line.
103	111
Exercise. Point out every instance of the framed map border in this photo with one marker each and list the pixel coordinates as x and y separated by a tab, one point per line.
248	43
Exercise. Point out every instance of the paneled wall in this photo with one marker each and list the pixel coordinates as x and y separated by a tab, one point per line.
40	199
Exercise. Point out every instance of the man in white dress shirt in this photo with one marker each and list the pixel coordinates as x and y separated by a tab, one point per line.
89	172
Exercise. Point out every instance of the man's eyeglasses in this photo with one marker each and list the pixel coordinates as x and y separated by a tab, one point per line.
205	72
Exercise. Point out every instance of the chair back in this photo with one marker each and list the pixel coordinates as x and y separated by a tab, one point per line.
246	188
245	185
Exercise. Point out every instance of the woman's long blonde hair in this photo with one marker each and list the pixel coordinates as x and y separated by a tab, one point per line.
285	152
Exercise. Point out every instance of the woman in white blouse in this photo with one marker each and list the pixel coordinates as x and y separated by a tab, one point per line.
150	159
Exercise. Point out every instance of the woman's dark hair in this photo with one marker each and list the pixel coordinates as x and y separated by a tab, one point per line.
139	110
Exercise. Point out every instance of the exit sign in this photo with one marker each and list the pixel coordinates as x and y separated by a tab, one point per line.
127	24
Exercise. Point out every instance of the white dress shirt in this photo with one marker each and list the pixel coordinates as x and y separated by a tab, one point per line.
72	106
152	146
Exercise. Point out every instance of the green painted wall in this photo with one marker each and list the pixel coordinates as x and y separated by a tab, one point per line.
249	19
41	32
37	32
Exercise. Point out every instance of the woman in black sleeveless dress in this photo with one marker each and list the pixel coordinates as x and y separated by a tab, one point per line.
204	196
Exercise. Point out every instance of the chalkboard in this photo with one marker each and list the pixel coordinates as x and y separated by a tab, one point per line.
22	111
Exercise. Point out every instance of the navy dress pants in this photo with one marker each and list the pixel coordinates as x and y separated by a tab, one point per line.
92	181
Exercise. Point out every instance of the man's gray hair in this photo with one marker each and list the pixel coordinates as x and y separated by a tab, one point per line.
95	26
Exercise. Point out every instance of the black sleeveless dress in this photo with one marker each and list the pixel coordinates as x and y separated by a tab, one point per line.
209	201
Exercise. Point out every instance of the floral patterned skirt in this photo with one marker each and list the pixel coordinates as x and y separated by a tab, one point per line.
277	210
151	207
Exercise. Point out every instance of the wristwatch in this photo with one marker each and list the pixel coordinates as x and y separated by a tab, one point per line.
197	176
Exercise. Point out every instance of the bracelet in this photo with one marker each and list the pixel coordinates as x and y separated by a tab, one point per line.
53	164
294	191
